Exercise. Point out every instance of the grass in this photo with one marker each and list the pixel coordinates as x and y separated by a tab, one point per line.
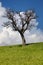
22	55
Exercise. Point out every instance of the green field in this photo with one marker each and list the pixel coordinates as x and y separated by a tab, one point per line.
22	55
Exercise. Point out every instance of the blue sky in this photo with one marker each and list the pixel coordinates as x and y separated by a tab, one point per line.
23	5
9	37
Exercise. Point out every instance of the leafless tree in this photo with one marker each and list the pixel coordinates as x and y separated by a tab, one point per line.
20	21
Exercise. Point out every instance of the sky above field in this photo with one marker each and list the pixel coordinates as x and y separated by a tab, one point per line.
8	37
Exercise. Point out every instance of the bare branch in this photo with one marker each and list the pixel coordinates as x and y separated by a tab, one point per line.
24	18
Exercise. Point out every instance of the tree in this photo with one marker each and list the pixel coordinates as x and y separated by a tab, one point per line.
20	21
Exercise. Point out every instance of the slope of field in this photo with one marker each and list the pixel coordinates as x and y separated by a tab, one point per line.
22	55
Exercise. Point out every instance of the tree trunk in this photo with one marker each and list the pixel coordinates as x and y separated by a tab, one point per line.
23	38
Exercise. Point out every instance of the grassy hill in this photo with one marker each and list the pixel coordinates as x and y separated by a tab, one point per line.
22	55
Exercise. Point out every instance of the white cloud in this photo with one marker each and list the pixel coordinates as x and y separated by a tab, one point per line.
34	36
2	10
0	4
9	37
